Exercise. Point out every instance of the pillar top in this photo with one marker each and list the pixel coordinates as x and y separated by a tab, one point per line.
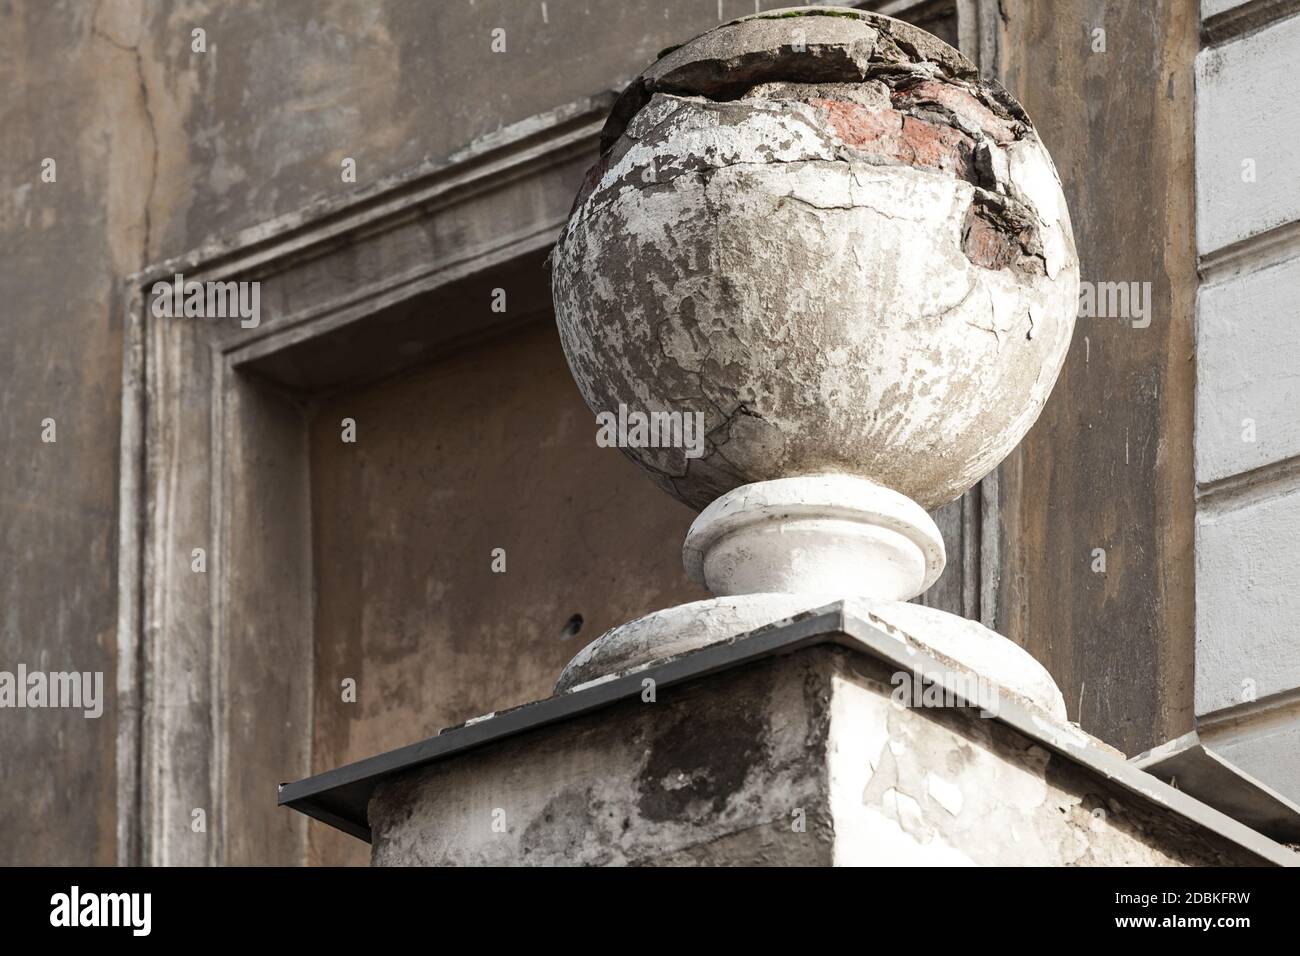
819	231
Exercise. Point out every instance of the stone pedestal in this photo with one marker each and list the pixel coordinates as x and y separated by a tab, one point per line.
822	237
822	741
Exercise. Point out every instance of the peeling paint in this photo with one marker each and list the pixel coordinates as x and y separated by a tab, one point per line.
853	258
718	771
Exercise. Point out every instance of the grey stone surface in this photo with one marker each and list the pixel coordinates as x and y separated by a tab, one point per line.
1188	764
1248	371
1247	602
722	769
823	235
1264	747
1247	150
160	150
1248	391
682	777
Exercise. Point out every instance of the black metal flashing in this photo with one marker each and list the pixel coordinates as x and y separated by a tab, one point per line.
340	797
1196	767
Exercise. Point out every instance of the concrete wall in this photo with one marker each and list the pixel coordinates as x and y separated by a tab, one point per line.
1248	389
489	448
160	148
1099	492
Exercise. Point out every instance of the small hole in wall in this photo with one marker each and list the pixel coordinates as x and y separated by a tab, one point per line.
571	627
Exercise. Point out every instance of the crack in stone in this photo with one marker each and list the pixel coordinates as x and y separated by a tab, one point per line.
966	151
943	313
898	53
147	216
848	205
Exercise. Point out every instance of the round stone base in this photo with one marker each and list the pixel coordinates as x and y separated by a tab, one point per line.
689	627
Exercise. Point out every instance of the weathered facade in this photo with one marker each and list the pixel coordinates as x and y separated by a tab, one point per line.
1247	395
225	155
814	758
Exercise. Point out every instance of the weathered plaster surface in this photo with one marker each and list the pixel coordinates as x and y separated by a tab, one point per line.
1247	602
289	86
719	770
160	149
855	258
952	789
1246	151
286	91
72	93
1248	396
432	636
1109	463
712	773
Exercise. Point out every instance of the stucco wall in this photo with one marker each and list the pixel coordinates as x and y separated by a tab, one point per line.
1248	392
489	448
158	149
1099	492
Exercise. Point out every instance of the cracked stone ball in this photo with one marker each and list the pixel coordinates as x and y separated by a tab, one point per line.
822	230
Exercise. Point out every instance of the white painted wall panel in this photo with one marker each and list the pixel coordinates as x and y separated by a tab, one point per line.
1248	368
1248	108
1247	602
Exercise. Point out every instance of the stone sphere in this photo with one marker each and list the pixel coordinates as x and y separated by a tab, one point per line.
821	235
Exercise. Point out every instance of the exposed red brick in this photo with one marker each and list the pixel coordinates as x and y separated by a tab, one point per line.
959	102
936	147
997	234
988	246
860	125
892	136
